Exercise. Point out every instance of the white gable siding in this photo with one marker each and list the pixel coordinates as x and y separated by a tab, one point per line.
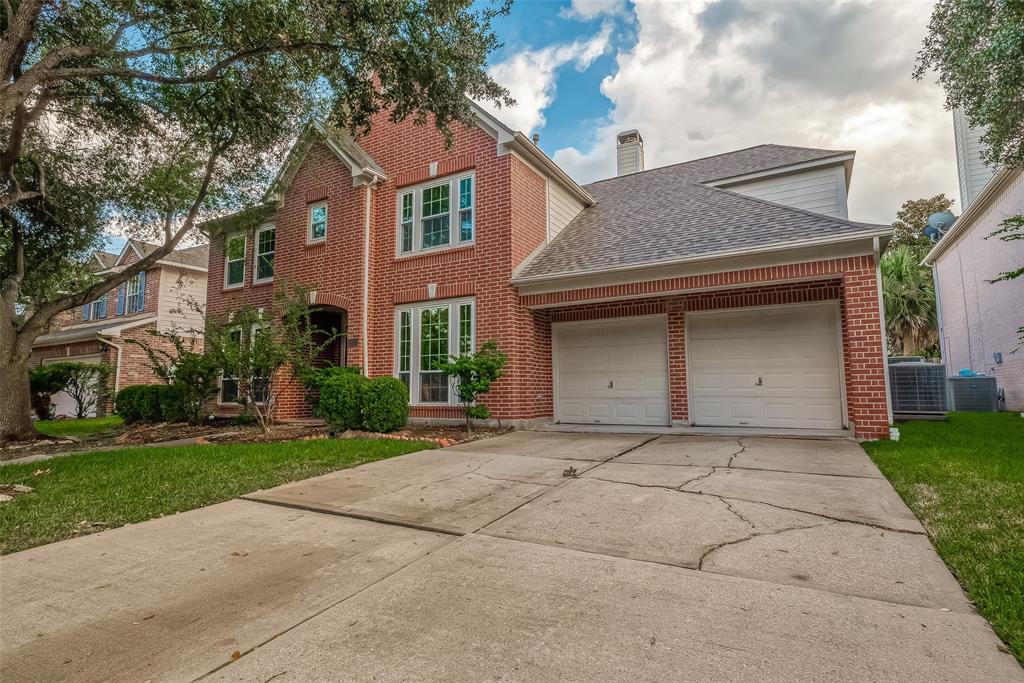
973	172
180	291
821	190
980	318
562	208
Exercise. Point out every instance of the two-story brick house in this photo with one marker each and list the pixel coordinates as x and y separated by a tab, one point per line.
169	295
727	291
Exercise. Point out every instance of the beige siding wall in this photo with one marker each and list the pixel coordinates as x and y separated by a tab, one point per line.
979	318
973	172
180	291
562	208
821	190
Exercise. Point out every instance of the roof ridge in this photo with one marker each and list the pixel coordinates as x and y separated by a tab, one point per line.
831	152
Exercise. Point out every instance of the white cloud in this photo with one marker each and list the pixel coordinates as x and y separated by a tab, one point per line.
591	9
531	75
708	77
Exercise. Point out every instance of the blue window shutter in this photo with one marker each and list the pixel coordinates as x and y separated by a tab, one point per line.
120	299
85	312
142	291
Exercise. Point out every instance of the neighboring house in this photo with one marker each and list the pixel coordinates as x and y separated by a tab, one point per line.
163	297
978	319
725	291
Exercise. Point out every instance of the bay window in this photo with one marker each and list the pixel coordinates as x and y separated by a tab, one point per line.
437	214
426	335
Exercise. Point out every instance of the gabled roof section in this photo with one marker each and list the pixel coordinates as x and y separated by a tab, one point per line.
340	142
195	258
104	259
671	214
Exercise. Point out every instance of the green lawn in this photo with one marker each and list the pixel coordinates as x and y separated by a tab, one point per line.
90	492
964	479
83	427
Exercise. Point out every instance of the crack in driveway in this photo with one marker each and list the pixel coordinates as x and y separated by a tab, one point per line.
757	534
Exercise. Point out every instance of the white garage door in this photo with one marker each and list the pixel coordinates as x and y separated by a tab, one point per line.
64	405
612	372
771	367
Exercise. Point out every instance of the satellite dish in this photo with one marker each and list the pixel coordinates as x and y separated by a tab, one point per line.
938	224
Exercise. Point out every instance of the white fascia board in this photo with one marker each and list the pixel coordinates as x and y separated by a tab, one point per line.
846	159
114	329
124	251
183	266
811	250
991	192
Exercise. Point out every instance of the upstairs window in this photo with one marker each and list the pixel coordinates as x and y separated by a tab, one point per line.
317	222
234	261
266	239
437	214
135	291
99	308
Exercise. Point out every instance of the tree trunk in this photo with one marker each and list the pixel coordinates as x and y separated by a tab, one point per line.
16	406
908	343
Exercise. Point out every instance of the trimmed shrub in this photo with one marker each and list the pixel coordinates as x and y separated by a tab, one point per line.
385	404
172	407
341	400
140	403
126	404
317	377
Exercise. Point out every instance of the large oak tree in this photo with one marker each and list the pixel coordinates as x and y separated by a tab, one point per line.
153	115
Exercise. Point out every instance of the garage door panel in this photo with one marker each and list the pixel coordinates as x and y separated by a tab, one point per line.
795	353
612	372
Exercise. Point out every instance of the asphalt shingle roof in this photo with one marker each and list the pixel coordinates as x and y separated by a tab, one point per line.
669	213
195	257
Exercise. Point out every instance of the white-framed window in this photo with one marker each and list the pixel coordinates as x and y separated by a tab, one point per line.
229	384
98	308
135	290
234	261
426	334
317	231
437	214
263	256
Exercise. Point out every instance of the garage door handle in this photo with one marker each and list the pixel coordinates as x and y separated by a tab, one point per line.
611	384
759	382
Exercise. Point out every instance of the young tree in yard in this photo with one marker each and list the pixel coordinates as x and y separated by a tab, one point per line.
911	220
977	48
193	374
252	347
151	116
909	295
473	374
86	384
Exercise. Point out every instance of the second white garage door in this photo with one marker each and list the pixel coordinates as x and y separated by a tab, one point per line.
64	405
770	367
612	372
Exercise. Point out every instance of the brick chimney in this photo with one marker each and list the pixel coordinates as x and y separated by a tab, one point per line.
629	157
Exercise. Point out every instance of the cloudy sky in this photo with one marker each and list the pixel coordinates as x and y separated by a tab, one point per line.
701	77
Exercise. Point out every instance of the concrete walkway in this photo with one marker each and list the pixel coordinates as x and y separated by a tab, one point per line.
529	556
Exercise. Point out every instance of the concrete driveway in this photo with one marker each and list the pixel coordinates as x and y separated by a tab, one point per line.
531	556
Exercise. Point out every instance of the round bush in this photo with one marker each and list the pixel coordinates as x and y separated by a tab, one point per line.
172	408
341	401
149	403
385	404
128	403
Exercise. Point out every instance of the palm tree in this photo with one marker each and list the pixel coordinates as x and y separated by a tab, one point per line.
909	295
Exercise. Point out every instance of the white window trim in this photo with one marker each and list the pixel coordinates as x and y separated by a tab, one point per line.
220	382
309	222
256	254
129	296
454	227
245	247
414	359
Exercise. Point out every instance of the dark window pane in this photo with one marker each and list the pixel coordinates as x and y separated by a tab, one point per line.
435	231
228	390
433	387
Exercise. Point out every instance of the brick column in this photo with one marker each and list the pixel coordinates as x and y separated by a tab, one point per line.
862	344
677	362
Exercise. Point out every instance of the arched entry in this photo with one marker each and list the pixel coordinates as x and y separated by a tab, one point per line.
330	321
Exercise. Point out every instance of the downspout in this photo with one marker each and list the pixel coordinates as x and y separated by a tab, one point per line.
117	370
877	248
366	280
943	351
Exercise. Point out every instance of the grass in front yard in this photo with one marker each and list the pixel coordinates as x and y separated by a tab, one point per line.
83	427
81	494
964	479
